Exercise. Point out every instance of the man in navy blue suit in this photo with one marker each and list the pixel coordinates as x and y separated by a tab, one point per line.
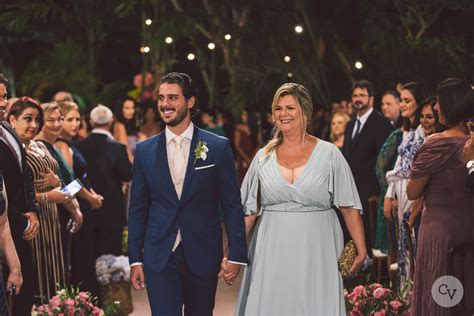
175	240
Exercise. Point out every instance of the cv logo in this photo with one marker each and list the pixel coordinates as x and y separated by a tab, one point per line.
447	291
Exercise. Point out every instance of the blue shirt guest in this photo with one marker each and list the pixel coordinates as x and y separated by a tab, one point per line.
175	238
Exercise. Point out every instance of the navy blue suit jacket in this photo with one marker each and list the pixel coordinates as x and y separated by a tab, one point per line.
156	213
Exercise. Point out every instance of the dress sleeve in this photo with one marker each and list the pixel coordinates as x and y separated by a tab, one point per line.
342	186
386	157
432	157
249	188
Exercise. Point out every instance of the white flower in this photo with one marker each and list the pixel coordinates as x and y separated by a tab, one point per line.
204	155
204	148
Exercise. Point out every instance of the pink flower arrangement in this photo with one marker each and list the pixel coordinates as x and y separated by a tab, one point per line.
72	302
376	300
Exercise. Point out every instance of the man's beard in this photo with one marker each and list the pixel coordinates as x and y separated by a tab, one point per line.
360	107
180	116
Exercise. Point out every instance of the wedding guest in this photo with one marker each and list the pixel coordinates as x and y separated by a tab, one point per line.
23	208
413	94
108	168
151	124
82	247
70	214
297	242
208	119
125	128
7	249
390	107
364	136
338	126
247	137
437	175
429	118
27	117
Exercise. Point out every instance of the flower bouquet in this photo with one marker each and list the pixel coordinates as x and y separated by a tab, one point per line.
376	300
113	275
72	302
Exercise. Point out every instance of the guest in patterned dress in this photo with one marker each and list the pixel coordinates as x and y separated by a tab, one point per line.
26	116
413	94
438	175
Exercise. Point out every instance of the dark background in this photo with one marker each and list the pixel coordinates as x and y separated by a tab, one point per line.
92	48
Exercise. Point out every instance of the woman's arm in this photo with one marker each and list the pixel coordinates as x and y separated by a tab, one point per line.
354	224
7	247
416	187
249	221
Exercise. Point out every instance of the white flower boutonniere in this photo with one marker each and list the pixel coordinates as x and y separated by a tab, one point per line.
201	151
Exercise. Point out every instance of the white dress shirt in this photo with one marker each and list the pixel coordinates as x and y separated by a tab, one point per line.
14	143
363	119
170	150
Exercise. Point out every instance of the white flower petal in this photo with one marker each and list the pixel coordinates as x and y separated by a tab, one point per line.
203	156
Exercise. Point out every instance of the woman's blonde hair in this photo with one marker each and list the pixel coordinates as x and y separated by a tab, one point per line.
67	106
49	107
346	118
303	99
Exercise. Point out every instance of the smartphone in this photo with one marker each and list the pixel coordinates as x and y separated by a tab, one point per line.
73	187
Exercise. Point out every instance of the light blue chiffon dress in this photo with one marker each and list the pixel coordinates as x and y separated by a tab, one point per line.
297	238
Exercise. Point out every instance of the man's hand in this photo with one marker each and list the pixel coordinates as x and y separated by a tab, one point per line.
137	277
33	230
229	271
15	278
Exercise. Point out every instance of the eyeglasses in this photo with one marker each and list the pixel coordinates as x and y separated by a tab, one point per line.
360	95
58	120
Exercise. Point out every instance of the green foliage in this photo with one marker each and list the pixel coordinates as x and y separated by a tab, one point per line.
396	40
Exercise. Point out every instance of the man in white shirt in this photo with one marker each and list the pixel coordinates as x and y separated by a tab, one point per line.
179	177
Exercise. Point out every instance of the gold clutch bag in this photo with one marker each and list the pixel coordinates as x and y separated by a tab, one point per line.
347	259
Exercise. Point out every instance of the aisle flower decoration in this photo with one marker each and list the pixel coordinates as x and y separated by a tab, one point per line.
111	268
71	301
376	300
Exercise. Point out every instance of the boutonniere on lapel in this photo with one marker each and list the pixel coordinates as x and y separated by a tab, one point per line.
201	151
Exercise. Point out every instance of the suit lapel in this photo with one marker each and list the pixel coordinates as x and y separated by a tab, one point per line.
350	129
162	164
364	129
190	167
20	145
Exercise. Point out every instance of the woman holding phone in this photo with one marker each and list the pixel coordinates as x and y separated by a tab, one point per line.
82	248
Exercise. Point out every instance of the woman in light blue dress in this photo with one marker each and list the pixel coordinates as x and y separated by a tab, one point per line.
297	239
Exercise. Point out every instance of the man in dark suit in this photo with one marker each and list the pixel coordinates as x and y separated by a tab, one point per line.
23	208
108	167
364	136
175	237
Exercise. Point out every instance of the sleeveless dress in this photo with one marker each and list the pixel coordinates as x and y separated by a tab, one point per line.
83	275
47	246
297	239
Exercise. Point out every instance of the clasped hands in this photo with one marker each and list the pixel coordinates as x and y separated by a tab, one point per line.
229	271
